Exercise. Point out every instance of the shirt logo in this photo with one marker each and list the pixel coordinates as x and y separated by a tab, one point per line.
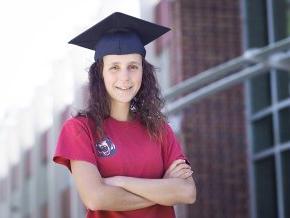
106	148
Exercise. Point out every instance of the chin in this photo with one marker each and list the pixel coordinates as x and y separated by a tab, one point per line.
123	100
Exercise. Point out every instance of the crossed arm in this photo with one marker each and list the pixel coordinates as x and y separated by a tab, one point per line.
120	193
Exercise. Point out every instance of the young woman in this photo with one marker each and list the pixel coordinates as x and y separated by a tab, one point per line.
123	156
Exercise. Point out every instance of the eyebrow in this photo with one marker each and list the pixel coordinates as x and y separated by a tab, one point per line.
135	62
132	62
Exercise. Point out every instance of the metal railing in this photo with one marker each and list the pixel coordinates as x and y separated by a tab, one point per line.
253	62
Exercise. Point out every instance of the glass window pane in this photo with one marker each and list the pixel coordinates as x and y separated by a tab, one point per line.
280	17
257	23
266	188
284	123
260	92
283	85
286	181
263	134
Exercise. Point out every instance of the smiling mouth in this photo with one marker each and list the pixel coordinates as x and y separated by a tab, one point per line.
124	89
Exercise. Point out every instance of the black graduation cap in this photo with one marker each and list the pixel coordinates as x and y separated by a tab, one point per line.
119	34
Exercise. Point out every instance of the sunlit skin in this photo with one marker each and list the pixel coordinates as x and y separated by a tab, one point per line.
122	77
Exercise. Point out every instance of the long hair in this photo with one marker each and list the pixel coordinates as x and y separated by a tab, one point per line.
146	105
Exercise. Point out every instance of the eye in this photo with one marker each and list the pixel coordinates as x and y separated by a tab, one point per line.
115	67
133	67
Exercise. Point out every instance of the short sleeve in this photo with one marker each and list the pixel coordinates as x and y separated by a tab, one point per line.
74	143
171	148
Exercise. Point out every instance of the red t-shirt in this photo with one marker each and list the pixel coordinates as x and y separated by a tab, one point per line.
127	151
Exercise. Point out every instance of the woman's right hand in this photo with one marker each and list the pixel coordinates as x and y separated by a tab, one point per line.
178	169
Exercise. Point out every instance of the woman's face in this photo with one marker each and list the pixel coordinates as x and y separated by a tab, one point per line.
122	76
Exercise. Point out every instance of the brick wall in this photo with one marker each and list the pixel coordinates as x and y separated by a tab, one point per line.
207	33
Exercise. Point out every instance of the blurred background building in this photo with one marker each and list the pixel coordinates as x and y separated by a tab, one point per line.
237	139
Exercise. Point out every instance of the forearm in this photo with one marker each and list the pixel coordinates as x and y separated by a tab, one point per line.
118	199
167	192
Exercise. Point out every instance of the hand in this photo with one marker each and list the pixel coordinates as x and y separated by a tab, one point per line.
178	169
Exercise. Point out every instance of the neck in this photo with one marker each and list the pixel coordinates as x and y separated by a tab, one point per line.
120	111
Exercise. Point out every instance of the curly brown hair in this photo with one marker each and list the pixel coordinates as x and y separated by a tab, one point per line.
146	105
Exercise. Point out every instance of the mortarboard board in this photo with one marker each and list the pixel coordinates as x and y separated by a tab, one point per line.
119	34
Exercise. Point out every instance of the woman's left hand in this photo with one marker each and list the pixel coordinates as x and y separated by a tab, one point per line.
178	169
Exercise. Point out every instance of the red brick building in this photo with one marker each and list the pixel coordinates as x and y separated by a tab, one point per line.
222	133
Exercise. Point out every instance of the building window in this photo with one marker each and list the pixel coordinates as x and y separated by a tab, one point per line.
257	33
262	134
281	18
260	99
269	112
284	121
266	188
286	181
283	85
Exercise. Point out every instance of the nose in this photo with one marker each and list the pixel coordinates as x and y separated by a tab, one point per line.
124	74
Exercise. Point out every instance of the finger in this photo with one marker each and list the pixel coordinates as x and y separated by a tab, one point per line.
180	167
175	163
177	169
177	166
185	175
183	171
177	174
